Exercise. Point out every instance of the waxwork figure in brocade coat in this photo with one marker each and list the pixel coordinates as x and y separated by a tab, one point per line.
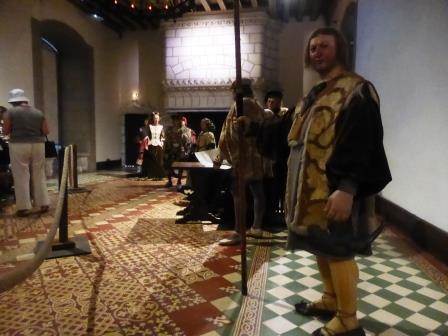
336	166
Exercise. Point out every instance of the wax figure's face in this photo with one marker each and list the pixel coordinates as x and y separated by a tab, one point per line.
274	104
183	123
323	53
156	119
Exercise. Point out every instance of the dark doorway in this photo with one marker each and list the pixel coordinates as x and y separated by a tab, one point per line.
132	123
75	84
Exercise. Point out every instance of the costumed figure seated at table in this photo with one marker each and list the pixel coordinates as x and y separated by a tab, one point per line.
206	139
184	139
204	183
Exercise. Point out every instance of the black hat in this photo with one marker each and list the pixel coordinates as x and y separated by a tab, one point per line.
273	94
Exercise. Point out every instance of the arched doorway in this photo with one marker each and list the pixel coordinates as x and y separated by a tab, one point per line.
74	80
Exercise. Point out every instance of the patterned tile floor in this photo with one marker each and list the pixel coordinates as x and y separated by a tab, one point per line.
145	276
396	297
148	276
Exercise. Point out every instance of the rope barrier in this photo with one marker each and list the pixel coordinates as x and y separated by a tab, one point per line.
21	272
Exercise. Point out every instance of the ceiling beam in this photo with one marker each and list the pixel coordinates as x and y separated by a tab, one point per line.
222	5
284	9
110	23
272	8
121	17
110	14
124	12
316	6
206	6
300	8
329	10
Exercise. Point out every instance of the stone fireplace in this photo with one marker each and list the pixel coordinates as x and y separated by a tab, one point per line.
200	60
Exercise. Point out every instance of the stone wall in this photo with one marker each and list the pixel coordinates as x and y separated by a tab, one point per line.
200	58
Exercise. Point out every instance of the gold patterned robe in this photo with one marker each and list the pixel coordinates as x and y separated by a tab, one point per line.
313	137
254	165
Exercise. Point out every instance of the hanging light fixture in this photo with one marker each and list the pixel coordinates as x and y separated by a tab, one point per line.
123	15
166	9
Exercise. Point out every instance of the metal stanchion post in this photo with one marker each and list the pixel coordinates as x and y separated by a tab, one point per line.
66	247
75	166
74	169
63	223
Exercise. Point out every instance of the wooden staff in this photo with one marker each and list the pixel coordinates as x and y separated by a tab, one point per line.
239	170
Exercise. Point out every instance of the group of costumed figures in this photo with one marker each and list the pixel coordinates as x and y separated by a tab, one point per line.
160	147
332	161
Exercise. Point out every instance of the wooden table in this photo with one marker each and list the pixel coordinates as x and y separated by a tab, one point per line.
192	165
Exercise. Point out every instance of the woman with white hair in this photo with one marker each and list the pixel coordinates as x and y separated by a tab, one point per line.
27	129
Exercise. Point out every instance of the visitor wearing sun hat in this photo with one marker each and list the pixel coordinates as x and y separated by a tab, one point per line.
17	95
27	129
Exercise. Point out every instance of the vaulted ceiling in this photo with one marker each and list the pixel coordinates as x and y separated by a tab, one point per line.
129	15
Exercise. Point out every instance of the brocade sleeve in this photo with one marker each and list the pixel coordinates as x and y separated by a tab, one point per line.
358	155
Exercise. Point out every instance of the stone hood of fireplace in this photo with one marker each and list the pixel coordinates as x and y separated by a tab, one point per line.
200	59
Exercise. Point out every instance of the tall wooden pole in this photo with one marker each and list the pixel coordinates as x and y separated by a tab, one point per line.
239	170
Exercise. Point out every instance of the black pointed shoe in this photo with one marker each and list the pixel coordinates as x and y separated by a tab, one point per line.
306	308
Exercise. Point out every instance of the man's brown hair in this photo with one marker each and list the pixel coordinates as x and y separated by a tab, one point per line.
341	45
246	87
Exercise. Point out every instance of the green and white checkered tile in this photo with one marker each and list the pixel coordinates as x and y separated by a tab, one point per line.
395	297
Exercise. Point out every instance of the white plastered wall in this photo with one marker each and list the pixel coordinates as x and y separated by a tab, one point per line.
105	44
16	67
50	92
402	48
111	82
